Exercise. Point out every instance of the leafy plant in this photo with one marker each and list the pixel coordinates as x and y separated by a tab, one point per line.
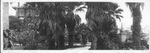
103	25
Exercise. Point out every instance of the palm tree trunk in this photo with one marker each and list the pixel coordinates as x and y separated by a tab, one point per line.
70	38
93	42
70	22
71	35
136	28
61	43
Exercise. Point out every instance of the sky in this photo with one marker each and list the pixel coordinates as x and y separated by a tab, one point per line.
146	17
127	19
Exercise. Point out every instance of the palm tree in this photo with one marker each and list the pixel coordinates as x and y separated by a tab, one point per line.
52	20
71	19
136	27
101	23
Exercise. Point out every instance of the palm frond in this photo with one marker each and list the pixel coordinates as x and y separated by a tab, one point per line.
119	11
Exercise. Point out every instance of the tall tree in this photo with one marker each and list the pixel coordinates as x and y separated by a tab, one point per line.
50	22
71	19
101	23
53	19
136	27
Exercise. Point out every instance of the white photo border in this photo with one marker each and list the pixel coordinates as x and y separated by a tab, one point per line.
67	51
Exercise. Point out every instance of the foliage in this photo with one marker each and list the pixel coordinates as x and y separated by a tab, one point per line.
38	32
136	27
51	20
101	19
103	24
15	22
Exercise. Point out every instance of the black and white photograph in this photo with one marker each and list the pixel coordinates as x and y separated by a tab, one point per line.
75	25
